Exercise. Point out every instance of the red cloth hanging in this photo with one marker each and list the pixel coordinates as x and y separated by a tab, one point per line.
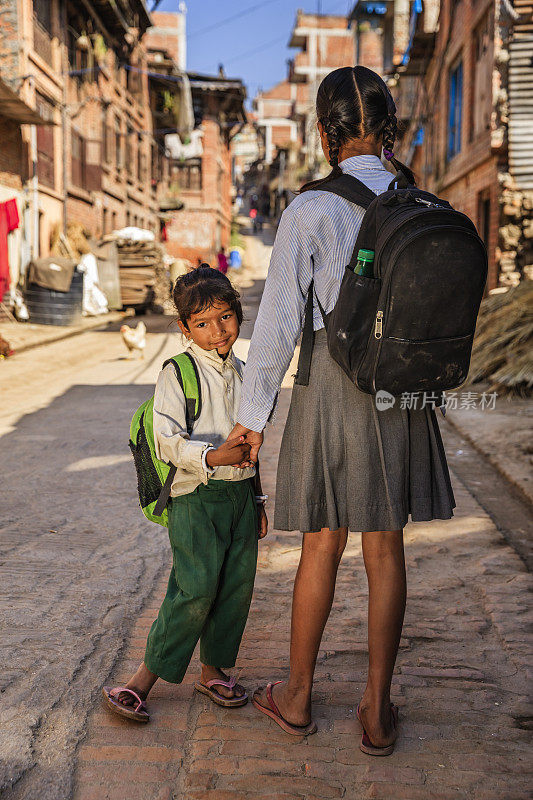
9	220
13	219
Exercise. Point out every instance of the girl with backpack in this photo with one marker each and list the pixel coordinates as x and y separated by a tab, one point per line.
344	465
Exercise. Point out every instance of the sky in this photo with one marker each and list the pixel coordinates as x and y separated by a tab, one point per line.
252	45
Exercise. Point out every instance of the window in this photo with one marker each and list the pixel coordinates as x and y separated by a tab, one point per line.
107	140
78	172
455	110
186	175
118	144
78	57
45	143
42	11
42	29
130	165
141	160
481	101
154	164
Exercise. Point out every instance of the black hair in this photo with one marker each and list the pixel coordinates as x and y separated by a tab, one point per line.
201	289
354	103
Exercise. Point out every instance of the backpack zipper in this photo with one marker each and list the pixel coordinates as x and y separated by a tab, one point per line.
378	328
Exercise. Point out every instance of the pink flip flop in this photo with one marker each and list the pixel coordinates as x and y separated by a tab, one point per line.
274	713
366	745
219	699
138	713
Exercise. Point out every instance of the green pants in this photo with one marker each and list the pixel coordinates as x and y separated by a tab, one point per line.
213	534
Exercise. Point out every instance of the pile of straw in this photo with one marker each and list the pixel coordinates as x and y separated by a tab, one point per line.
503	351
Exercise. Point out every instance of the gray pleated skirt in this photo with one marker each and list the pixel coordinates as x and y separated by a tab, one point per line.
344	463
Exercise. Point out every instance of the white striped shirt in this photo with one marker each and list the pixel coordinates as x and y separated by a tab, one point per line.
315	240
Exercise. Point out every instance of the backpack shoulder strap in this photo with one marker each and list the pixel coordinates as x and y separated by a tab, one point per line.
351	189
189	380
399	181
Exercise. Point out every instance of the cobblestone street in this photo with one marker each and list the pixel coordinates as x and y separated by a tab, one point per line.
83	576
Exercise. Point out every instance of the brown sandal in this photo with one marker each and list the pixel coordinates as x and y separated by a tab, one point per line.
366	745
274	713
219	699
138	713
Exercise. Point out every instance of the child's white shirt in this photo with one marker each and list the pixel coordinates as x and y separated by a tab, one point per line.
220	386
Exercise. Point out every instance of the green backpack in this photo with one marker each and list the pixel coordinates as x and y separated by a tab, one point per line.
155	477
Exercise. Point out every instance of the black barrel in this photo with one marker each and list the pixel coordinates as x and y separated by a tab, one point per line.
47	307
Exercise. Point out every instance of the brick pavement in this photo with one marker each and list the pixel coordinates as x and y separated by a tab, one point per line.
460	684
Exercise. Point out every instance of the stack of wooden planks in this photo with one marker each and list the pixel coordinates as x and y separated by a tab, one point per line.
138	263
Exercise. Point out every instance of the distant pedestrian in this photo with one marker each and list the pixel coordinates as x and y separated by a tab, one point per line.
222	261
343	464
216	512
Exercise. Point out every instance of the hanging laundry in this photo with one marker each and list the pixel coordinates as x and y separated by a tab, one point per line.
9	220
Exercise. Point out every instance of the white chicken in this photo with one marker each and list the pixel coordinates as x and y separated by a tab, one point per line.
134	338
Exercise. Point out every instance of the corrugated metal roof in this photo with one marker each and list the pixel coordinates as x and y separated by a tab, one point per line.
521	110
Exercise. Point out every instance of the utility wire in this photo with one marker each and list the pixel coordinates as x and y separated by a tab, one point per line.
233	17
258	49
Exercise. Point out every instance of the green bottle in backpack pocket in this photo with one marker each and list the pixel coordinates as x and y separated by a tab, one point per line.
153	474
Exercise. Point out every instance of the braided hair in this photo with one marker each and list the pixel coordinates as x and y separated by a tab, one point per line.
355	103
334	145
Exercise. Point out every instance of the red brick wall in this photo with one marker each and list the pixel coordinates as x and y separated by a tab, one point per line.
339	52
281	135
464	193
165	33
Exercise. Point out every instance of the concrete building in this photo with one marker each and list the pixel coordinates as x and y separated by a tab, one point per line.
464	89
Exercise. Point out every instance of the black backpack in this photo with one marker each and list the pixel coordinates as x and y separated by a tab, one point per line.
409	328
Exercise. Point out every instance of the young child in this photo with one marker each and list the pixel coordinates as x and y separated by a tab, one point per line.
216	512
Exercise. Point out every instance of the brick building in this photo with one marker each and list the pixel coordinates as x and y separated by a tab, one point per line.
195	186
247	148
286	115
203	178
324	43
275	116
81	68
464	92
14	174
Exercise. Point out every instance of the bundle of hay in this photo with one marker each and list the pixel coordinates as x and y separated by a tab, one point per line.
503	352
73	245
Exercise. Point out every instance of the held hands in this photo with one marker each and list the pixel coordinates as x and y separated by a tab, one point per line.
234	452
254	439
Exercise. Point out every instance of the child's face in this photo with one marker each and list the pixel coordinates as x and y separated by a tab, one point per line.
213	328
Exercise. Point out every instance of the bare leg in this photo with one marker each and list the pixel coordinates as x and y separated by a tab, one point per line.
314	589
385	568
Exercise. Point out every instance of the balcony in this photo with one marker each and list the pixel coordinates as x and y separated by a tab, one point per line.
42	42
299	68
